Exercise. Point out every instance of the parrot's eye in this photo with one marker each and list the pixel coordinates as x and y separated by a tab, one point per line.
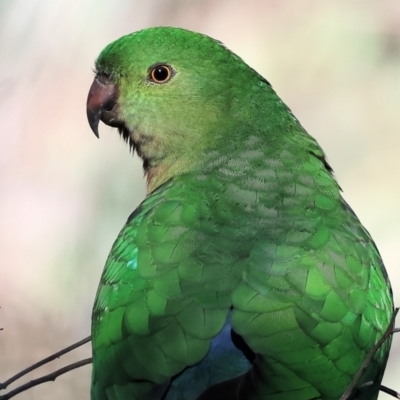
161	73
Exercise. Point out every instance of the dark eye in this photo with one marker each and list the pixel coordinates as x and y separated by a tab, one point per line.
160	73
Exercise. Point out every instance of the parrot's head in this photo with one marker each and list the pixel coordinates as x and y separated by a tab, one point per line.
172	94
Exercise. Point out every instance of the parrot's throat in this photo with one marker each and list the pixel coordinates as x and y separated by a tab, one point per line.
150	150
126	135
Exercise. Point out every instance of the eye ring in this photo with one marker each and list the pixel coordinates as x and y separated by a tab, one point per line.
161	73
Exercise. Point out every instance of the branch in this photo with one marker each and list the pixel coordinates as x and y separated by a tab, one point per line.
42	362
385	389
46	378
389	391
349	391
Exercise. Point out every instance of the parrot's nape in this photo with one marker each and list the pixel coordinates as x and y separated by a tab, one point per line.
243	275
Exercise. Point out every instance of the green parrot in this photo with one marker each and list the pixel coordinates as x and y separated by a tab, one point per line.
244	274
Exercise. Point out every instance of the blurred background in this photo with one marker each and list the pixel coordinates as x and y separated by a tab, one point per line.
64	195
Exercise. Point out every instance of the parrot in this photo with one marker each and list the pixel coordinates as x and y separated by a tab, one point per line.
243	274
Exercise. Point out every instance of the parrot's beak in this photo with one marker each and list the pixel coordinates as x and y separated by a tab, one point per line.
100	103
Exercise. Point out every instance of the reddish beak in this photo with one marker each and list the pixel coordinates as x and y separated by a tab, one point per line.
102	98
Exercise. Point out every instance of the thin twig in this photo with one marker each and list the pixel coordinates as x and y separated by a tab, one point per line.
349	391
389	391
42	362
46	378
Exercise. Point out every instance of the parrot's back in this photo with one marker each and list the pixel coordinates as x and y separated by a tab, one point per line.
277	254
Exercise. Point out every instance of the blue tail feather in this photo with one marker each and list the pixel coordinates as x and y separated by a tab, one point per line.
227	358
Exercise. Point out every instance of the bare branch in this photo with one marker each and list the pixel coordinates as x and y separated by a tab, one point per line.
389	391
389	331
42	362
46	378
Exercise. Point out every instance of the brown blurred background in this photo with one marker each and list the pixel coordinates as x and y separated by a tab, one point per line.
64	195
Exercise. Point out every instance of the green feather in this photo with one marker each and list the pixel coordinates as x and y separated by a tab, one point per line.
243	226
